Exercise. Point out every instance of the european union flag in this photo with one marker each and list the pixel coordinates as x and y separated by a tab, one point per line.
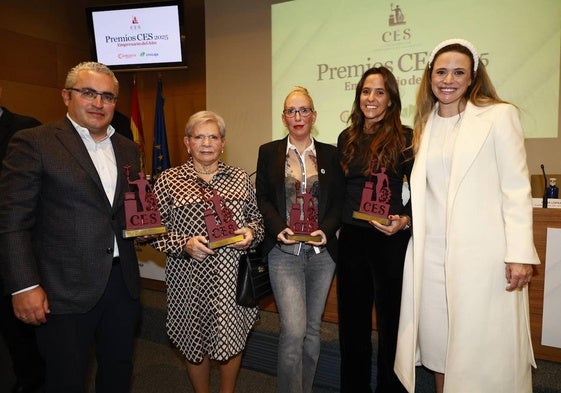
160	154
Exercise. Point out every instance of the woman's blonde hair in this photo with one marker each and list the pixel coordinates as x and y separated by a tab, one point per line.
205	117
300	90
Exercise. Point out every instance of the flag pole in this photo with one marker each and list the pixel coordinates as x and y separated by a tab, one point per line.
136	124
160	153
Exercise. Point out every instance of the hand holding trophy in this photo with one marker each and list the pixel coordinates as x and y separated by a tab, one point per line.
304	217
376	196
221	227
141	208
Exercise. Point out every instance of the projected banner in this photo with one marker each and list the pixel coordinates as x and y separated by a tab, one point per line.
326	45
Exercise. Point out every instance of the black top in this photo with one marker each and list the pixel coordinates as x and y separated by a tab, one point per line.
10	123
355	181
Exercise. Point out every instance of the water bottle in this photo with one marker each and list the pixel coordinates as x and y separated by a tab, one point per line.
553	190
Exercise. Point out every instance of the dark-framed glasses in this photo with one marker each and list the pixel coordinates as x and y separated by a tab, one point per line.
91	94
304	112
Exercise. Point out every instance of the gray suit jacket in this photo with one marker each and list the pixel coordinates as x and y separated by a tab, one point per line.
57	226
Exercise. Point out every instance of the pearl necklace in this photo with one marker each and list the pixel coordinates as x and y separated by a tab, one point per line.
205	172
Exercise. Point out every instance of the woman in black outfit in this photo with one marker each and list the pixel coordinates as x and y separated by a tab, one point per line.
375	157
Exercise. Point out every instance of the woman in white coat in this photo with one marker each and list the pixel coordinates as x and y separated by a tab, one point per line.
465	297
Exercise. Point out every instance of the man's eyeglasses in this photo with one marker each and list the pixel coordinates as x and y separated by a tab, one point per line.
91	94
304	112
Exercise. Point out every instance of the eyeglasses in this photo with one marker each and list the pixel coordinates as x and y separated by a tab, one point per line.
91	94
201	138
304	112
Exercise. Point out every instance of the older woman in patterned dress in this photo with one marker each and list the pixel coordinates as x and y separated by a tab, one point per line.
204	321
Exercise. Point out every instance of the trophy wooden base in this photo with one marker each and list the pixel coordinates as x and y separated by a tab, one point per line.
127	233
299	237
369	217
224	242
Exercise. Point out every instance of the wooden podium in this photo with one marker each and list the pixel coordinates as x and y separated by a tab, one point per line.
543	219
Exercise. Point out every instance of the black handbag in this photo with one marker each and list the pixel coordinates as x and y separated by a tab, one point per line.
253	279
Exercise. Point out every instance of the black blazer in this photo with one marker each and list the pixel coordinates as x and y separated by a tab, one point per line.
270	190
10	123
57	226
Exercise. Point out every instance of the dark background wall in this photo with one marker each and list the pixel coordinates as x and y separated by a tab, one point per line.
40	40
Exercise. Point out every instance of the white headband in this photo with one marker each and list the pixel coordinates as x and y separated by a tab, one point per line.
461	42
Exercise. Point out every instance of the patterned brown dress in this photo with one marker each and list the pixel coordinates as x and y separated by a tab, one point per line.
203	317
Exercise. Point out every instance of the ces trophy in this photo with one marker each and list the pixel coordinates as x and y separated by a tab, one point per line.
303	218
220	223
141	211
376	196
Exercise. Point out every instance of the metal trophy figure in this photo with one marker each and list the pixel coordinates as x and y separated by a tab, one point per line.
141	208
375	201
303	218
219	222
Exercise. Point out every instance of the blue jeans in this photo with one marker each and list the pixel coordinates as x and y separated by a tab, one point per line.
300	285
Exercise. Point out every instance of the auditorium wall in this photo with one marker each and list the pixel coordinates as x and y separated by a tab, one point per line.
229	56
42	40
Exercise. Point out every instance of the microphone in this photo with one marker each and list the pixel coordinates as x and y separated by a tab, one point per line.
544	200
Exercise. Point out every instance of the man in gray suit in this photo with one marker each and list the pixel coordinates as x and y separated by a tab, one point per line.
64	260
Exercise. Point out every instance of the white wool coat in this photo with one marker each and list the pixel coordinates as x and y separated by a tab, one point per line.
489	222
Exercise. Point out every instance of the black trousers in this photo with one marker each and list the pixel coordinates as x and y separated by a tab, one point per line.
21	343
369	273
66	342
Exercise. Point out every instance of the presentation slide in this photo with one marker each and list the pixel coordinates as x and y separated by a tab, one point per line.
137	36
326	45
